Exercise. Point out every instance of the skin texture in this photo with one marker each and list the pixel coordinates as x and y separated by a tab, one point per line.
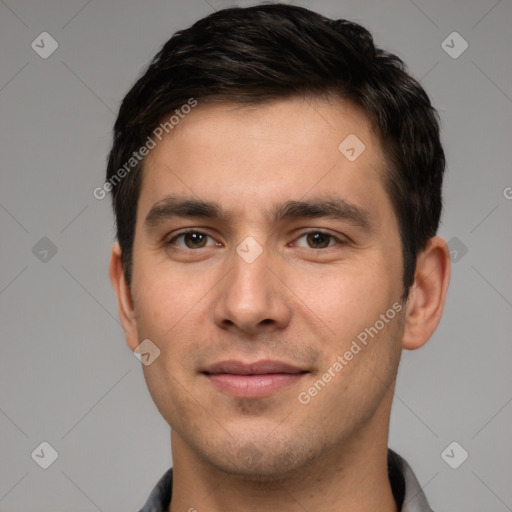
296	302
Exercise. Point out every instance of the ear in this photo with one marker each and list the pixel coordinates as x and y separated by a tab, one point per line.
124	298
428	293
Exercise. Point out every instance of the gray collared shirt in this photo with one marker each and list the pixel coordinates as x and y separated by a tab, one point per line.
404	484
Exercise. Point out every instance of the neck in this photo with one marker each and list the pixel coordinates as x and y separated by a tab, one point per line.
352	476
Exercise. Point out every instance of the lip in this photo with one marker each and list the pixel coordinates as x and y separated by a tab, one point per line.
253	380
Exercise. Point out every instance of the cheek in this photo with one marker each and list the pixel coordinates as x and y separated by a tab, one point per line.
167	308
165	299
168	389
350	296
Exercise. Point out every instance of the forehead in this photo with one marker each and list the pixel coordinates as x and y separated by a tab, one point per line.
247	156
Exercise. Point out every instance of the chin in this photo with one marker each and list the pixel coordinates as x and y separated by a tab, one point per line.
264	463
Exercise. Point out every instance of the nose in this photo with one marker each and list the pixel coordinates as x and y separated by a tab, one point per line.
252	298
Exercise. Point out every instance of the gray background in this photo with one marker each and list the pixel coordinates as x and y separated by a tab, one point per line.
66	375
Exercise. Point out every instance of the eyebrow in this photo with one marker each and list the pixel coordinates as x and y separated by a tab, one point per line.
173	206
334	208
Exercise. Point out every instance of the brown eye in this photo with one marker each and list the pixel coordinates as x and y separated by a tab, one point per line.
191	240
318	240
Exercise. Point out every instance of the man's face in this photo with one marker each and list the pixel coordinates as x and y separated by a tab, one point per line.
265	294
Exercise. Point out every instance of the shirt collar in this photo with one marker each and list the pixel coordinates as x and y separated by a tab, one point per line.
406	489
414	499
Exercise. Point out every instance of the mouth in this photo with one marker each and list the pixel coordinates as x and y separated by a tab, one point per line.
253	380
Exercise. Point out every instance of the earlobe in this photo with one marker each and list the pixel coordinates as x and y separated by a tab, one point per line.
428	293
124	297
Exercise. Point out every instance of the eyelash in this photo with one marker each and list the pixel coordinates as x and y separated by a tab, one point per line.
314	231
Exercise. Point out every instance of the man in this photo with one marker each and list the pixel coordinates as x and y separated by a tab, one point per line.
276	181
